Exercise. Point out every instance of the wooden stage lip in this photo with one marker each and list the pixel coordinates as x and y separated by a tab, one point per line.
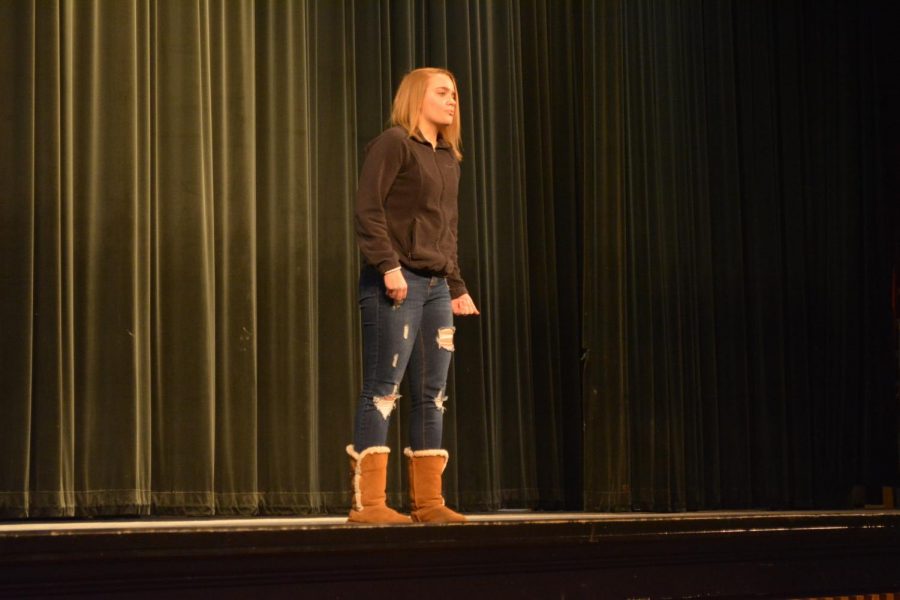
722	554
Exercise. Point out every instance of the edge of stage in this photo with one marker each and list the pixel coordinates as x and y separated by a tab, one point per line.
719	554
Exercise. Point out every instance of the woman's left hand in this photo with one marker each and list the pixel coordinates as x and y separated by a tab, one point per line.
464	305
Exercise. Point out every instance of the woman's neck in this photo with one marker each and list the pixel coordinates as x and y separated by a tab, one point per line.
429	132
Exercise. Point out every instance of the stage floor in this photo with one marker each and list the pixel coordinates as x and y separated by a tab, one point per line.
734	518
712	554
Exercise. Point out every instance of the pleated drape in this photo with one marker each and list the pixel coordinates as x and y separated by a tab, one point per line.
180	270
737	283
673	217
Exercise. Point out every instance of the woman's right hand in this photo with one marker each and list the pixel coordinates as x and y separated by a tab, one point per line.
396	286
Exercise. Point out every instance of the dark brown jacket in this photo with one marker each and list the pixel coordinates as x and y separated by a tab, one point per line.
406	210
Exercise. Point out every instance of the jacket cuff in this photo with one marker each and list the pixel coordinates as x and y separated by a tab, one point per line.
457	289
386	265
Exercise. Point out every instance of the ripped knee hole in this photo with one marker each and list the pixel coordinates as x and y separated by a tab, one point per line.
445	338
386	404
439	402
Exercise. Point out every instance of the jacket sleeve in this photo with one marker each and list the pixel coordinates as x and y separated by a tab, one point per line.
454	278
384	158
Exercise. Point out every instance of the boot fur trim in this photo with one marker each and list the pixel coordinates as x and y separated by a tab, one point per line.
438	452
357	470
420	453
358	456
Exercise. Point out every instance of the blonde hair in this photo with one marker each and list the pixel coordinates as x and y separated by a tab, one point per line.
408	105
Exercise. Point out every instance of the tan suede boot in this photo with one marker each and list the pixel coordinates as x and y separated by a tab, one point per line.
425	470
369	469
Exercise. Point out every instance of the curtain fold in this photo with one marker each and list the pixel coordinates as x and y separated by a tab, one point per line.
604	362
286	240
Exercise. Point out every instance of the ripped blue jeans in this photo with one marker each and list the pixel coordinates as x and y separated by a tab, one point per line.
415	337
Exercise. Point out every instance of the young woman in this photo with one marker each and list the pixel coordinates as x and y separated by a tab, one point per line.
409	290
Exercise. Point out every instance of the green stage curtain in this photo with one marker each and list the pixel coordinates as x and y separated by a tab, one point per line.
671	218
181	334
738	257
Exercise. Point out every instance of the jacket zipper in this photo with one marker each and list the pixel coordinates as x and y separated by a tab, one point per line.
440	173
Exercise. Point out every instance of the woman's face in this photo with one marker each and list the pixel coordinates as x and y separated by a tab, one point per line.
439	104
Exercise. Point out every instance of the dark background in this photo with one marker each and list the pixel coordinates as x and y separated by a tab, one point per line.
678	219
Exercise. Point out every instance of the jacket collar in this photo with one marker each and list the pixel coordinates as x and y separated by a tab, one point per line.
417	135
